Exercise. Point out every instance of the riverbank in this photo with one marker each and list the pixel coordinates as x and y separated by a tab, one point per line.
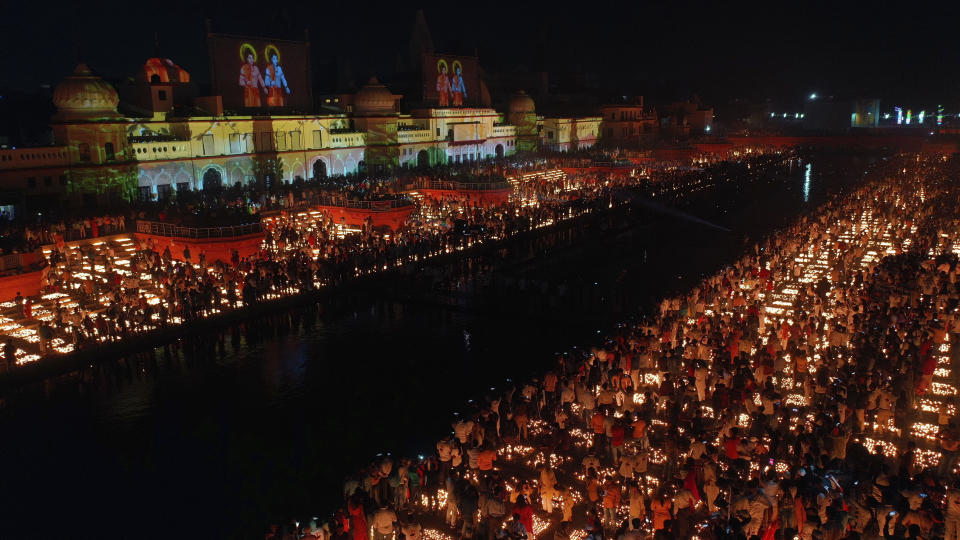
54	365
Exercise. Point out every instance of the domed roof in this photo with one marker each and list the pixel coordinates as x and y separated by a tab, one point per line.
373	98
164	70
521	103
84	95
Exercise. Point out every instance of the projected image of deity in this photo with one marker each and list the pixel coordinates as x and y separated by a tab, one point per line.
443	84
276	83
457	88
251	81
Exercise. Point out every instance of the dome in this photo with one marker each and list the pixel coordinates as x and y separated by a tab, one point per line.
373	98
84	95
521	103
164	70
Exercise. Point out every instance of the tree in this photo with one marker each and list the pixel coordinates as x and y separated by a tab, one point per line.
268	171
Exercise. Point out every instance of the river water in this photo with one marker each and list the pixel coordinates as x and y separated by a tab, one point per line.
218	436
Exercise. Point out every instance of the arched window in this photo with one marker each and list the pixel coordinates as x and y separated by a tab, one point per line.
108	150
212	180
319	169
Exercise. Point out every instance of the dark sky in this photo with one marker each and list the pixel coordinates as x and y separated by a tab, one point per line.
718	50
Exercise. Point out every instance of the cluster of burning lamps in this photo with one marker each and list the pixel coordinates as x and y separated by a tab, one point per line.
867	230
815	265
120	251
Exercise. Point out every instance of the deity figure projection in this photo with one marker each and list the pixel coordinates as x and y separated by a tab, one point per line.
443	84
276	82
250	78
457	88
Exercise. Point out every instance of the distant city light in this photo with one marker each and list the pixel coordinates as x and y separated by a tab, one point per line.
771	115
801	115
784	115
707	129
797	115
886	116
920	116
909	116
899	115
813	95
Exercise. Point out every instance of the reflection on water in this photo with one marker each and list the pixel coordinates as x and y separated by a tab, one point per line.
220	435
806	182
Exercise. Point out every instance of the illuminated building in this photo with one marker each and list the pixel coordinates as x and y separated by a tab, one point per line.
566	134
170	139
522	113
628	124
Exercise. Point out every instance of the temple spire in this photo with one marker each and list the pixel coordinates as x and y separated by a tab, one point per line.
420	40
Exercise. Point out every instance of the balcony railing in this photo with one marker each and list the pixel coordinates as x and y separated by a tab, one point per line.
19	262
375	206
168	229
462	186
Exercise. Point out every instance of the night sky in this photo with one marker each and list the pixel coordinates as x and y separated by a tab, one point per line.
666	50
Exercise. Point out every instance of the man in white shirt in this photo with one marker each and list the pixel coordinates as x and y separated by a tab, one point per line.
590	462
384	523
463	429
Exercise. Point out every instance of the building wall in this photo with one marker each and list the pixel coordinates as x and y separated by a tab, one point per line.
566	134
152	157
627	124
189	173
527	130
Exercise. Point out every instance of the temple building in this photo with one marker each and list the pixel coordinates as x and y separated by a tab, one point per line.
170	139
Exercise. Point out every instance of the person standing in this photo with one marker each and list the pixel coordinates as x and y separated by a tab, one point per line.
524	512
548	482
358	518
10	354
662	510
384	523
494	510
952	513
611	501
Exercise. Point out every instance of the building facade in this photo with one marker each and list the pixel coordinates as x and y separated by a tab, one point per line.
569	134
102	155
628	124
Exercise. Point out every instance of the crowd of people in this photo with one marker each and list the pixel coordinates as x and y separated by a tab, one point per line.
97	292
808	390
22	237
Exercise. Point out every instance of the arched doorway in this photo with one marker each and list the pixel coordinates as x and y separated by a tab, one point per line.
319	169
423	159
212	179
499	150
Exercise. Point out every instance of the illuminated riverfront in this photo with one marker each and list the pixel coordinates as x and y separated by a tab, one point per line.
516	274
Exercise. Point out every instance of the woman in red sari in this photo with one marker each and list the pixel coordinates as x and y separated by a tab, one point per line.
358	519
